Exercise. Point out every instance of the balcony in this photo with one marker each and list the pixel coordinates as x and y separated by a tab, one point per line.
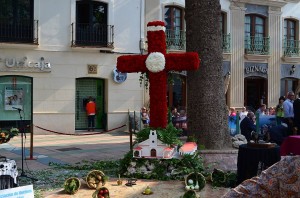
92	35
175	39
291	50
25	32
226	40
257	48
257	45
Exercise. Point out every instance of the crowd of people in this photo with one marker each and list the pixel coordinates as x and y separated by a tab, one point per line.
287	113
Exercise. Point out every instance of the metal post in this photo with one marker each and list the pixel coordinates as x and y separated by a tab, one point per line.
238	123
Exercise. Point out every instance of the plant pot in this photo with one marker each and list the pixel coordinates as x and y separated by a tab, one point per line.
72	185
95	179
193	177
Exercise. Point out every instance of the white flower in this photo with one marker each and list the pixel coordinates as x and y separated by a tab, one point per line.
155	62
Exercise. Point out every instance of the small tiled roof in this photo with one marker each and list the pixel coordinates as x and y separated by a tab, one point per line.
168	149
188	147
138	148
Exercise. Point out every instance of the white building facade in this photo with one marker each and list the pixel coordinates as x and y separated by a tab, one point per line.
52	58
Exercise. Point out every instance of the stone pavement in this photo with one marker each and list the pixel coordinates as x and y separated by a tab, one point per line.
107	146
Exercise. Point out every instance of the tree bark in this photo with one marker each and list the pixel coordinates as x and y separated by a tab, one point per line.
206	104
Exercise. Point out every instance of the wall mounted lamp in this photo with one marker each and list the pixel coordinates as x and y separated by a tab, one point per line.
293	69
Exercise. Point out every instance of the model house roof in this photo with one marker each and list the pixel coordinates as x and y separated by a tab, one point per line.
189	147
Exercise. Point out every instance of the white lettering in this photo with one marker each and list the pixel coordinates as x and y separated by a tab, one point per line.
11	63
256	68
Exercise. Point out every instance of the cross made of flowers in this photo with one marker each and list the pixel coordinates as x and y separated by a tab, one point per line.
157	63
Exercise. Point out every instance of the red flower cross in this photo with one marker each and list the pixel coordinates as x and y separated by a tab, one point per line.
158	80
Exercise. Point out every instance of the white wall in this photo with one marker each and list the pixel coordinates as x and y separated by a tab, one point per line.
291	10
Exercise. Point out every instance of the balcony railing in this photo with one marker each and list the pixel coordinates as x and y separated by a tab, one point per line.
24	32
93	35
175	39
226	40
291	48
257	45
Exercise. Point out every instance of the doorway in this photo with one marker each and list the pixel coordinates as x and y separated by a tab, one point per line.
153	153
86	87
256	92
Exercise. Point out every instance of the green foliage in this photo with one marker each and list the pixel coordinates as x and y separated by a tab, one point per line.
168	135
172	75
192	138
223	179
72	185
189	194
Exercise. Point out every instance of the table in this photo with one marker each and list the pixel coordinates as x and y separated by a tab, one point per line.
291	145
252	160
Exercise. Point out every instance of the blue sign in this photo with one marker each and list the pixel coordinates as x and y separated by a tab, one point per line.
118	76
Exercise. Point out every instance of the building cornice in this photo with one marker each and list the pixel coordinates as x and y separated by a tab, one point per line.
275	3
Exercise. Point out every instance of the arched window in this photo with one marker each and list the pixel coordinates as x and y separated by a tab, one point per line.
289	31
225	35
255	26
256	41
175	33
291	44
173	18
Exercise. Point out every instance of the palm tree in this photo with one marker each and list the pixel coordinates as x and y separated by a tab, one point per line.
207	111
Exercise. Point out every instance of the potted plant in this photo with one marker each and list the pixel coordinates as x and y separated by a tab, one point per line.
72	185
6	135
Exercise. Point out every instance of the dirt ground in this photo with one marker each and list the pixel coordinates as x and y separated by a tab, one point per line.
160	189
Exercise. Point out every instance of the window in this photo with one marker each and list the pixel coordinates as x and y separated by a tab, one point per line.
255	40
225	36
289	29
91	23
222	22
173	18
254	26
291	44
16	21
288	84
174	28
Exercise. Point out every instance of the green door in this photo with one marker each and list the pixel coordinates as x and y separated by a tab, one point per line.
86	87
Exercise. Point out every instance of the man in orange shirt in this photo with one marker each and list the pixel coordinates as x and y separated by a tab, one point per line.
91	113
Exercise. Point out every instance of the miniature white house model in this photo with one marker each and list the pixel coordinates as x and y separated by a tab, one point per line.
153	148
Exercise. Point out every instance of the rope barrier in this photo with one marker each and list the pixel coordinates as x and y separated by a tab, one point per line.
82	134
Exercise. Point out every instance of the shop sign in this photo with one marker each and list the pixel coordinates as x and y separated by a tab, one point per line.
256	69
23	65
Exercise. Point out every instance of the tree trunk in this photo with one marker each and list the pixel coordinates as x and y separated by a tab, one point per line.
206	105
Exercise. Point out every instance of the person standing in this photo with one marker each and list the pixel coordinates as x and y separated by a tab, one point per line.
145	116
289	111
243	113
279	111
262	109
91	113
296	106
